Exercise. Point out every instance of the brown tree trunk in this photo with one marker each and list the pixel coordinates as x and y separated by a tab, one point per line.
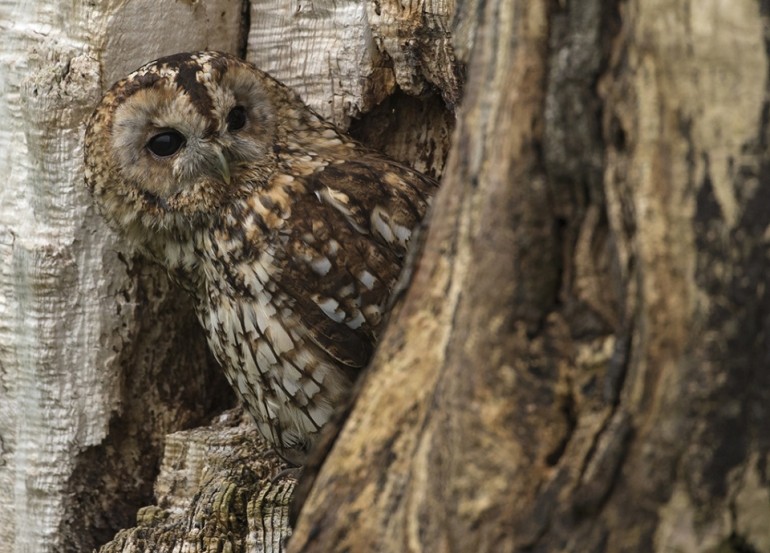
582	362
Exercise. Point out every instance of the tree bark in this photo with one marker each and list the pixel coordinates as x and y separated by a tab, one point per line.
100	357
581	363
215	492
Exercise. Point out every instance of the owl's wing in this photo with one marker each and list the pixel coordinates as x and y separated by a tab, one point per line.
348	238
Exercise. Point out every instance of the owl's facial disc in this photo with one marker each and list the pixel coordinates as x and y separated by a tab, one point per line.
169	143
191	133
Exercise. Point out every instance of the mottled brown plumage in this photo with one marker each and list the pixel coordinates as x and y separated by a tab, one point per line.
288	234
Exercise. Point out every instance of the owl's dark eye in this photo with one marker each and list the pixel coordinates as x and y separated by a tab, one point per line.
236	119
166	143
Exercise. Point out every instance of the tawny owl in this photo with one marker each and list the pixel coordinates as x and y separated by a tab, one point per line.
288	234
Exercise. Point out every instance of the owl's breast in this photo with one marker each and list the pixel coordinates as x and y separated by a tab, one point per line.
288	384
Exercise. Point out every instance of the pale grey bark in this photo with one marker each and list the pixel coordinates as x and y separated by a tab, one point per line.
84	402
217	490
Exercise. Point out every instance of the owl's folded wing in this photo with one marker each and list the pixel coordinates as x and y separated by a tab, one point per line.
348	235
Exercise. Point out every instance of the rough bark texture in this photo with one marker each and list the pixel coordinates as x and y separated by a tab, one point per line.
215	493
345	57
99	356
384	69
581	363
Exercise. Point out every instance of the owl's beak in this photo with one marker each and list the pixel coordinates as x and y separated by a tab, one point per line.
223	167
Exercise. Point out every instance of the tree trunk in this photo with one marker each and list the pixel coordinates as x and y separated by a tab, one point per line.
100	357
581	363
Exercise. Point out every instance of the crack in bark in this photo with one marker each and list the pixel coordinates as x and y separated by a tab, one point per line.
243	39
618	368
601	468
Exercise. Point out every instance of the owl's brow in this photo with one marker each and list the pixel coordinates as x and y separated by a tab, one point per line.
187	80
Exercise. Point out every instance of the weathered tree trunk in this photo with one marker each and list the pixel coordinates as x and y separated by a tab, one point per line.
583	360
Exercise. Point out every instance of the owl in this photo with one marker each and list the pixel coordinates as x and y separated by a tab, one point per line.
288	234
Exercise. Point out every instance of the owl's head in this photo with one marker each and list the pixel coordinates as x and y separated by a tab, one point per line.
177	139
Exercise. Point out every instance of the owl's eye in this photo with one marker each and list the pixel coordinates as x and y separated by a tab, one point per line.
236	119
166	143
